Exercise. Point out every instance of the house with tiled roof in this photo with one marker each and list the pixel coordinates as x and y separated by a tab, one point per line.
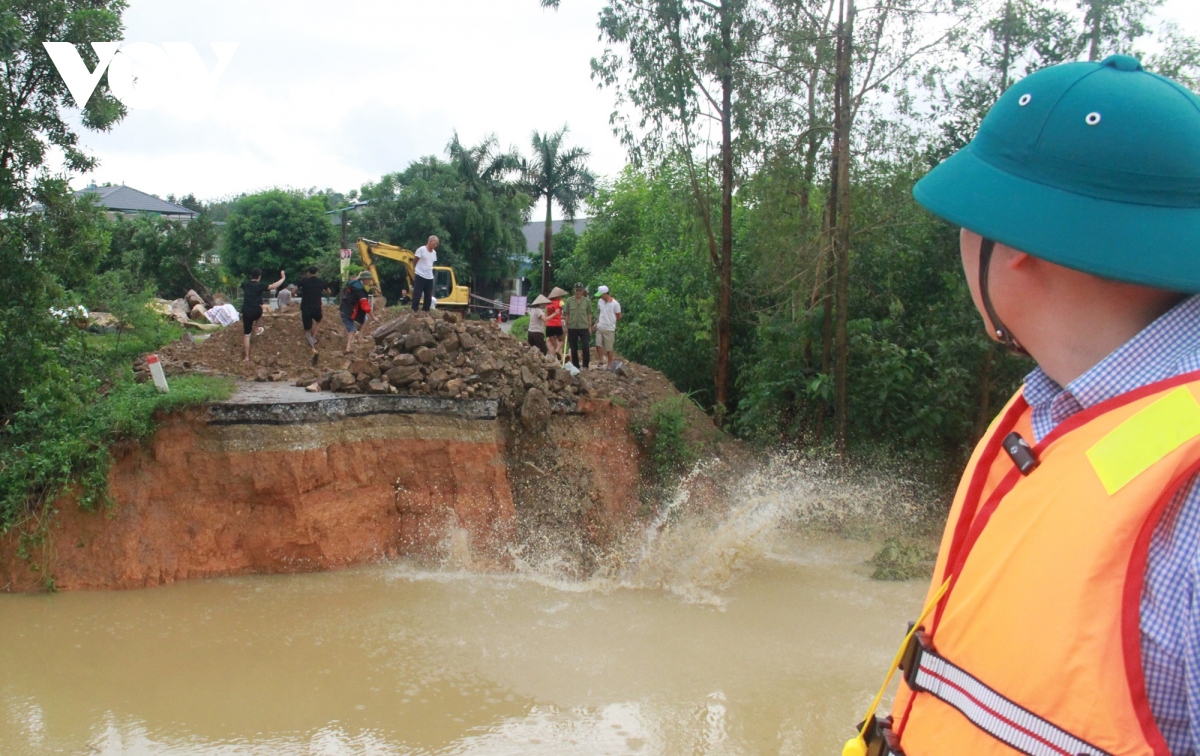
125	200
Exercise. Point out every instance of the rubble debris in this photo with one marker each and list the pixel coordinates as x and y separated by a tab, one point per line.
436	354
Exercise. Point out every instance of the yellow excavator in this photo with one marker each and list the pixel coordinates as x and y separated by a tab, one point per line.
447	292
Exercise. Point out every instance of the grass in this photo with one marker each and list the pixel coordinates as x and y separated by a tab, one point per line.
60	441
520	328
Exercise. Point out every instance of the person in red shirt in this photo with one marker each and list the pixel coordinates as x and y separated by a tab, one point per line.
355	307
554	322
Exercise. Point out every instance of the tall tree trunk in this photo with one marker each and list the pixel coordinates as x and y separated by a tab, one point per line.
547	266
1095	15
1006	53
725	298
842	239
828	245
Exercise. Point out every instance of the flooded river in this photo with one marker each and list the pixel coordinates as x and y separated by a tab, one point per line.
743	637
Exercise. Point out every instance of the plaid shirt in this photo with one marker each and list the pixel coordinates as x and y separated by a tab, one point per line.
1170	608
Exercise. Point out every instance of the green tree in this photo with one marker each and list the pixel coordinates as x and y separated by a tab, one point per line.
466	203
277	230
1113	25
557	174
33	94
162	254
646	244
488	232
567	267
681	63
44	254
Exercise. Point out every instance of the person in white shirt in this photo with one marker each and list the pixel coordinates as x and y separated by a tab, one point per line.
537	324
423	274
609	312
284	297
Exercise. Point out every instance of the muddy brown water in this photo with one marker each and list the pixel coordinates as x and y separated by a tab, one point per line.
722	627
676	658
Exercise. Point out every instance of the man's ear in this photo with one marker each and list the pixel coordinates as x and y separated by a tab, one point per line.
1015	259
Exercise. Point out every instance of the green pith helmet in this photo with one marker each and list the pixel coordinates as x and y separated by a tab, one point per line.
1093	166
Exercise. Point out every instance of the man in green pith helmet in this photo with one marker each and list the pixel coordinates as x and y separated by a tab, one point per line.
1064	616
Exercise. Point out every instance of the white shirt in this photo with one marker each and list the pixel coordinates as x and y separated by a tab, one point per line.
608	314
426	257
537	320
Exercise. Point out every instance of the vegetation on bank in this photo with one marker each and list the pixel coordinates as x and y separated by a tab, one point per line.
79	400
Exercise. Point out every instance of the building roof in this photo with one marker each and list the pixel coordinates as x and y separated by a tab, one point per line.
535	233
125	199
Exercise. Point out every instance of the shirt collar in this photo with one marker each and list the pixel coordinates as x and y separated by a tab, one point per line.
1153	354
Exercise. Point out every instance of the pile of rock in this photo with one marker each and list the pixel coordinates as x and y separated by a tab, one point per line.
188	311
441	355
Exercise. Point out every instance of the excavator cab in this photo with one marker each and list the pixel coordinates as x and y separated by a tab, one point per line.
443	283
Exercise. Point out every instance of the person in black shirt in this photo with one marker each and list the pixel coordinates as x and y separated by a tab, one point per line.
311	288
252	301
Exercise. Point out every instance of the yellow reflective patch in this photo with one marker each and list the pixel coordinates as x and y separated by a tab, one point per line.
1153	433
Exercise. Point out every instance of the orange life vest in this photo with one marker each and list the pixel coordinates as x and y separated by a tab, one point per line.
1035	648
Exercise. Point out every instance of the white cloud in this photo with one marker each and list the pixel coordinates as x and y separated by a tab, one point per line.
334	95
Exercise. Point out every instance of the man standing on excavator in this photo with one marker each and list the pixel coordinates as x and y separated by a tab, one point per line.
1064	616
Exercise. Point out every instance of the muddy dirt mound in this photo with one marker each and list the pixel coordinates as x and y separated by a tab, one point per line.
279	354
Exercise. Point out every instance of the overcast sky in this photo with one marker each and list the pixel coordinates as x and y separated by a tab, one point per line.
337	94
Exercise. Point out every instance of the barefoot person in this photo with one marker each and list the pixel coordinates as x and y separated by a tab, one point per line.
1064	613
252	306
311	290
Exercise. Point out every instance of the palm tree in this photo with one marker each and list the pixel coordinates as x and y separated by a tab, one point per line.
557	174
492	219
484	166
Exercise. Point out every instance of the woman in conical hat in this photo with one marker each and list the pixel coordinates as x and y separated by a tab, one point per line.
554	321
537	324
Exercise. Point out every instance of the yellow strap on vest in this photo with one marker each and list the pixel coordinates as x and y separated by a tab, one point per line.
1133	446
857	746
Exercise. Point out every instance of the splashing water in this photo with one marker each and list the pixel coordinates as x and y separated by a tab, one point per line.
698	543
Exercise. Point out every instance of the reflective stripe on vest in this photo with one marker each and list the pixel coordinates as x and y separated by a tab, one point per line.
1041	619
991	712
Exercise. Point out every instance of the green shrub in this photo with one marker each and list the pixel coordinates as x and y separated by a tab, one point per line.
670	451
62	434
520	328
900	559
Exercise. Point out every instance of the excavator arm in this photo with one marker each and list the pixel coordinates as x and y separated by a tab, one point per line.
368	250
450	296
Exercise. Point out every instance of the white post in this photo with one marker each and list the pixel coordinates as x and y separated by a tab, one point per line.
156	372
